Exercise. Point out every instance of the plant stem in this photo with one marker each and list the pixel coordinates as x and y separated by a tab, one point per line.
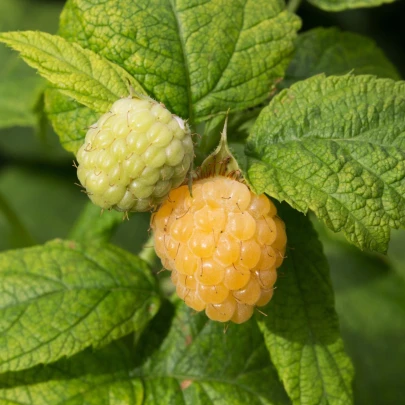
148	253
293	5
23	236
92	226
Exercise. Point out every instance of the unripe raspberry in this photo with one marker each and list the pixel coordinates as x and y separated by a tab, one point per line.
223	245
134	155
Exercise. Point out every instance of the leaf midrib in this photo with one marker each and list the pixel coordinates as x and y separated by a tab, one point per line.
185	61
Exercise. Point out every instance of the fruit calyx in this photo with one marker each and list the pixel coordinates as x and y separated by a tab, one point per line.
220	162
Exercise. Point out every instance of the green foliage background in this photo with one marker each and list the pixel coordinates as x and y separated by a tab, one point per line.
335	330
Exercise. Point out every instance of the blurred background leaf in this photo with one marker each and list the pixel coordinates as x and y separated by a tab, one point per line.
336	52
370	302
20	86
383	24
24	132
338	5
397	251
47	204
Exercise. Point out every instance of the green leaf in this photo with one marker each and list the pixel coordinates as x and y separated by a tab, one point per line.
78	73
89	378
70	119
301	329
334	52
339	5
370	303
17	102
336	146
59	298
190	361
199	364
158	42
20	87
321	50
197	58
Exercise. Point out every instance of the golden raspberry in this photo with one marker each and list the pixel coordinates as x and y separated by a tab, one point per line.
223	245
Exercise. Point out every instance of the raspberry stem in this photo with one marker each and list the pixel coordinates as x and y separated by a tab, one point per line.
21	232
148	253
293	5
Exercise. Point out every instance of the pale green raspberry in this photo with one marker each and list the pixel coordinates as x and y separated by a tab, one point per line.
134	155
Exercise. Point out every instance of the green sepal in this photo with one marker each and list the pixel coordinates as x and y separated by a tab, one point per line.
221	162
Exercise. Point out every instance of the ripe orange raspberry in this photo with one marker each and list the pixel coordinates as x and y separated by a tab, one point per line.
223	245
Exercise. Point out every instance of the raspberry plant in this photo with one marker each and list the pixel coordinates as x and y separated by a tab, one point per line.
314	139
